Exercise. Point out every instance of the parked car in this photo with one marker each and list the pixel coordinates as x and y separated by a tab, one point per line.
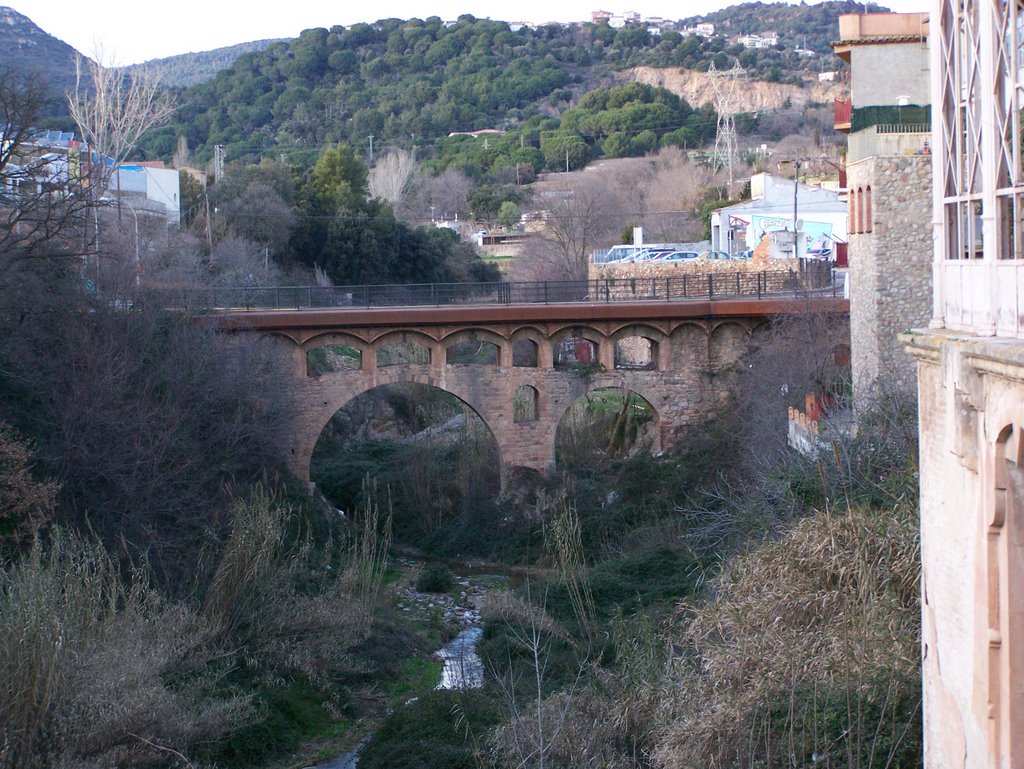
821	250
714	255
677	256
747	254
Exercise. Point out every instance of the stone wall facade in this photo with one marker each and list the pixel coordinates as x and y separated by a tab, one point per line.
971	405
727	277
687	382
890	271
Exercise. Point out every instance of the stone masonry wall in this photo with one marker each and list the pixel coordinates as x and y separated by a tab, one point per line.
890	273
628	279
688	385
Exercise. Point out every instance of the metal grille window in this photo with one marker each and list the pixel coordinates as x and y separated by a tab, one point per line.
960	111
1008	22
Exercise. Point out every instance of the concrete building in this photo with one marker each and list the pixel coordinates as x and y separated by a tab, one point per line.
820	215
148	188
971	394
888	170
764	40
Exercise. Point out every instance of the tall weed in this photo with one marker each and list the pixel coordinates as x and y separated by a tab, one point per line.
84	651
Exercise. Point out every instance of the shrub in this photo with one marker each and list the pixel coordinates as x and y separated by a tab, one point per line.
435	578
86	656
808	653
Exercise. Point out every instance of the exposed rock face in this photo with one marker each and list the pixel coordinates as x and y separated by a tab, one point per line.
754	96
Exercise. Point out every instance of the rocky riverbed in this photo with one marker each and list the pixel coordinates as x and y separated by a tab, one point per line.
459	611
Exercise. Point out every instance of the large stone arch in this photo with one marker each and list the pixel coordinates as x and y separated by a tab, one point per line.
324	399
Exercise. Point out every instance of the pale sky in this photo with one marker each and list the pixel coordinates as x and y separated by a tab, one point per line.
135	31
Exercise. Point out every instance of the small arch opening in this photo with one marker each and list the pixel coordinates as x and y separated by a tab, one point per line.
575	351
402	353
332	358
472	352
524	353
636	353
524	404
867	224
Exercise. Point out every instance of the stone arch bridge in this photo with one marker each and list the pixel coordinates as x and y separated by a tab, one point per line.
674	354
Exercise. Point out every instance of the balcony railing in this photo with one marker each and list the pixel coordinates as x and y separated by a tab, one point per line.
843	109
889	140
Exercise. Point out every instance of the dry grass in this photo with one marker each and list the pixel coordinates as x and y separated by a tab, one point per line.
100	671
83	654
808	653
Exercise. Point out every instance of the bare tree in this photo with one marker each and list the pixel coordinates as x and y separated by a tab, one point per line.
444	196
391	178
39	208
578	219
111	116
114	113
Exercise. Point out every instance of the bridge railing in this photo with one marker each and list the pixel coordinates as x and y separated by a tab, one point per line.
814	278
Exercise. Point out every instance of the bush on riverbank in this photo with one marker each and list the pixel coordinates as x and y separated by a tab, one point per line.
434	578
101	670
439	730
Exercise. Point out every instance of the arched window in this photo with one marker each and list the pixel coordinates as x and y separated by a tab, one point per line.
524	353
524	404
1004	596
868	223
853	212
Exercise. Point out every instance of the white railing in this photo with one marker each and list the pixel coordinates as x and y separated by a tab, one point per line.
888	141
984	297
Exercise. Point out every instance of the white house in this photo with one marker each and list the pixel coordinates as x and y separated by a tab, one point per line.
150	188
819	215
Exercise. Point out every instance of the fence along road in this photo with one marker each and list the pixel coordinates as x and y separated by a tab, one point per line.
714	286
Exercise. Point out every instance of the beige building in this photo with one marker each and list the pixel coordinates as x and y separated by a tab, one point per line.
971	393
888	179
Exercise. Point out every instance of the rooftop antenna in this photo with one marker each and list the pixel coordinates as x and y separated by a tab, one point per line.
725	83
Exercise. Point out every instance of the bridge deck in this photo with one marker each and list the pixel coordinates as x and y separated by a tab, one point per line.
339	317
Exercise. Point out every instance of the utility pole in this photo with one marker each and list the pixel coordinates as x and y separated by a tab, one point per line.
796	190
371	149
218	161
567	160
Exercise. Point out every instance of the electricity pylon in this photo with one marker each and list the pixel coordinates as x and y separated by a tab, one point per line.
726	85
